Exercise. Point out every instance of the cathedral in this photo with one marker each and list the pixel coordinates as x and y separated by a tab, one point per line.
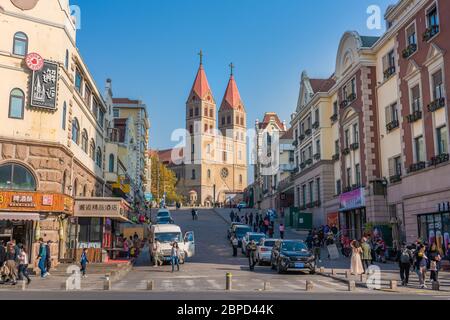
213	169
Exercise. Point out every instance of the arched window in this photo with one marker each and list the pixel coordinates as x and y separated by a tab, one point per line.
84	141
75	131
16	104
209	174
211	113
240	179
16	177
85	191
111	163
20	46
99	157
193	175
66	60
92	149
75	188
64	116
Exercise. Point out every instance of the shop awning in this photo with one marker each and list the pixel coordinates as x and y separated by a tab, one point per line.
111	208
111	216
18	216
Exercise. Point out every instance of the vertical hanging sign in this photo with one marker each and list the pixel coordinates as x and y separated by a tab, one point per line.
44	86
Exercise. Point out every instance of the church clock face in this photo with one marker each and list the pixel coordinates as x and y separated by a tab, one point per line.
224	173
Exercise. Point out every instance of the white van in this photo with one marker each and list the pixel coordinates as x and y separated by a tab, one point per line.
167	234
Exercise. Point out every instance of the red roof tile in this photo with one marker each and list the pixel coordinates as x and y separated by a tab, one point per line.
321	85
267	117
201	86
232	98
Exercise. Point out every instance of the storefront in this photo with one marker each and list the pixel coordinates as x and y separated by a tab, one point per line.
352	213
435	228
97	227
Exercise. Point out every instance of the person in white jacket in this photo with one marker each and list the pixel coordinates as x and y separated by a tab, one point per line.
23	264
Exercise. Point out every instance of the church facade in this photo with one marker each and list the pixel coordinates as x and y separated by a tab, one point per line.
212	165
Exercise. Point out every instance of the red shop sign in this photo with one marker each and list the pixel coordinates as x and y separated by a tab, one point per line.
34	61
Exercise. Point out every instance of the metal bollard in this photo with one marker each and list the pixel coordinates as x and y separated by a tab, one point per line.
393	285
266	286
351	286
107	283
229	281
309	285
150	285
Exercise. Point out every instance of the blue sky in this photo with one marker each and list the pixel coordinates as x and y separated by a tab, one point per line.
149	49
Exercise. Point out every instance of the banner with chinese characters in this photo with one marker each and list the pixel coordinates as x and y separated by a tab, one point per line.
45	86
35	202
114	208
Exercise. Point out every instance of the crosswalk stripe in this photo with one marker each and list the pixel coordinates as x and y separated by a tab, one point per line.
214	284
167	285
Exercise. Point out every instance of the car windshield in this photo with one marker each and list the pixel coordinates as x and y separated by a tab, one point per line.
256	237
294	246
168	237
163	214
269	243
163	220
240	232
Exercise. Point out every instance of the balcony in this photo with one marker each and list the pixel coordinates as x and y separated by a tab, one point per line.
287	167
430	32
316	125
309	162
334	118
336	157
396	178
354	146
347	189
317	156
346	151
343	104
295	143
296	170
442	158
415	116
303	165
436	105
408	52
302	137
392	125
417	167
389	72
308	132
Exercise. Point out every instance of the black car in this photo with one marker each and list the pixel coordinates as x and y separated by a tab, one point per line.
292	255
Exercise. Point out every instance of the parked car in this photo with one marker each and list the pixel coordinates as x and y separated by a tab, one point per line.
264	251
240	231
163	213
232	228
249	237
292	255
242	205
164	220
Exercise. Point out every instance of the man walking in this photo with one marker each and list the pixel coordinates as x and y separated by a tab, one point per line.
366	254
405	259
251	219
156	253
234	243
42	258
48	257
251	249
232	216
317	248
282	229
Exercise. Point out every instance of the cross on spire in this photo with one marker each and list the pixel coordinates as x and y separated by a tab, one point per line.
201	57
232	66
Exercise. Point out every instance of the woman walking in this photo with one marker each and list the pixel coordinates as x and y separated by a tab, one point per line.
23	265
175	255
356	262
421	266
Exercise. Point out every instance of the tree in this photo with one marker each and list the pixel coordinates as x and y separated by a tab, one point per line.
163	181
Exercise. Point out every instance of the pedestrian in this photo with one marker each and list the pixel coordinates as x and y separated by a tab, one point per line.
193	214
135	237
255	227
266	225
126	249
156	253
317	248
238	219
329	241
234	243
435	261
405	259
130	247
175	255
246	219
10	264
48	257
232	216
334	229
23	265
250	219
196	214
84	261
42	256
356	266
421	265
251	249
282	230
366	254
2	253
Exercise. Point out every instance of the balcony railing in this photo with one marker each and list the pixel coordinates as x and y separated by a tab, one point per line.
308	132
439	159
415	116
436	105
316	125
317	156
417	167
346	151
408	52
430	32
309	162
336	157
389	72
302	137
295	143
303	165
344	104
392	125
334	118
354	146
396	178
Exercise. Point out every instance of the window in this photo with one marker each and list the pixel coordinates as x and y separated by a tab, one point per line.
355	133
347	138
237	120
415	97
66	60
395	166
335	108
310	152
16	177
349	90
206	112
433	18
206	127
16	104
75	131
84	141
318	189
99	159
193	175
338	187
392	114
336	147
211	113
438	85
191	129
419	149
318	147
358	174
302	128
239	155
90	229
349	177
311	192
191	112
224	157
87	97
197	112
304	195
20	46
223	120
442	140
389	64
111	163
64	116
78	81
116	112
92	149
411	35
242	121
209	174
228	119
101	118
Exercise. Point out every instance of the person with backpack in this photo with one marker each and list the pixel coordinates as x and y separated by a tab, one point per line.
366	254
405	260
435	261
